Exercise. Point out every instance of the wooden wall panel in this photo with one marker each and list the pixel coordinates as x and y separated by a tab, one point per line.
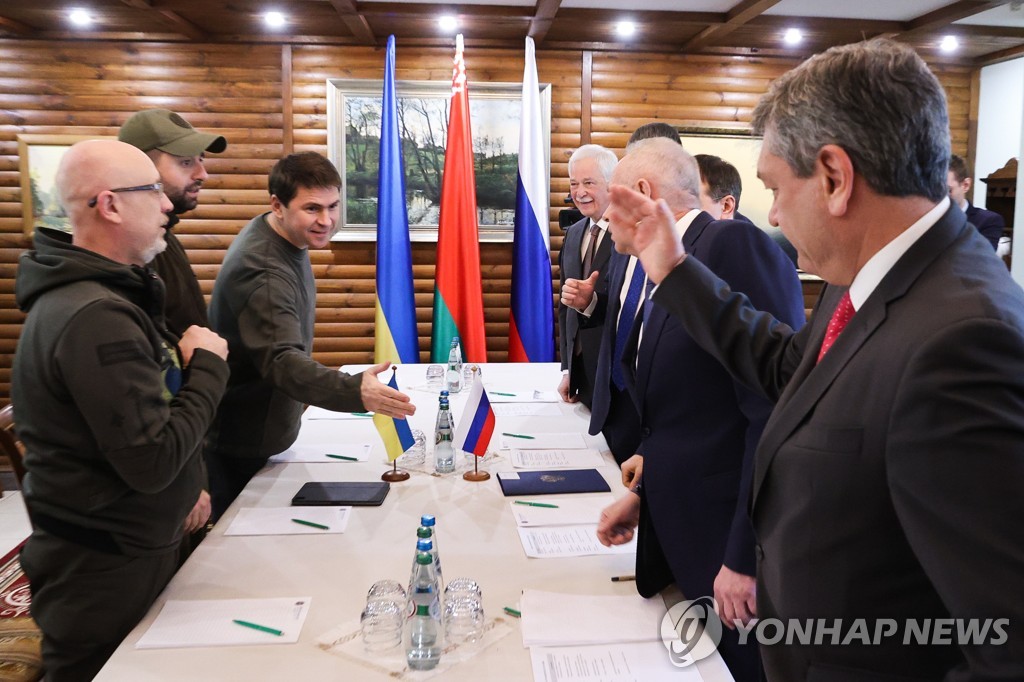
90	88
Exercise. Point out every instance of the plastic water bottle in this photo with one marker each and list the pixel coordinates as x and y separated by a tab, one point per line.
453	378
444	453
425	533
422	637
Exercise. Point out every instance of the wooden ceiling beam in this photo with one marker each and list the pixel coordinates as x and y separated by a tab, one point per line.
355	21
999	56
171	18
542	19
739	15
16	27
944	16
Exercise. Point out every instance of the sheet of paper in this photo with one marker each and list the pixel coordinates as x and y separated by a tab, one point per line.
498	394
544	441
575	510
318	453
280	520
555	459
596	619
550	542
210	622
636	662
313	412
526	410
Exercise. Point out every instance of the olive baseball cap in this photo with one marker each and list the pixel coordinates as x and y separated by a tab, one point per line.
167	131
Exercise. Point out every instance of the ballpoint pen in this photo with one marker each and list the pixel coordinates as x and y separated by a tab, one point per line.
517	435
343	457
255	626
537	504
311	524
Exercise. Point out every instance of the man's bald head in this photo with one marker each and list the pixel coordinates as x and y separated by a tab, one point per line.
126	226
663	169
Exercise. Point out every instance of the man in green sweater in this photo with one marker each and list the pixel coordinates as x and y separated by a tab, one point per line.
112	409
264	304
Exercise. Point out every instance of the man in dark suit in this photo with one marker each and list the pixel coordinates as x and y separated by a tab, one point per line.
699	427
989	223
582	262
887	481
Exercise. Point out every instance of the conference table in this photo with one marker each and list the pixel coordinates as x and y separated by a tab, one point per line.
477	538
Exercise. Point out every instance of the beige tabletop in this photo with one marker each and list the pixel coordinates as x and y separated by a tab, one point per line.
477	538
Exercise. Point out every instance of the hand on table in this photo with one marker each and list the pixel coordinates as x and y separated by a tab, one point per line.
618	520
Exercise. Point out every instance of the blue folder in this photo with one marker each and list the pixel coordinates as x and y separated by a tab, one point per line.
555	481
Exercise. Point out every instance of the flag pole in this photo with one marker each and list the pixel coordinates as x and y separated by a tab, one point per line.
395	475
476	475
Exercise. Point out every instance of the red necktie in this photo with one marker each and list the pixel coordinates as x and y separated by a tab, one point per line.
843	312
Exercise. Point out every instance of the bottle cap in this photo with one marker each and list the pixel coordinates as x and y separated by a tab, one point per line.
424	532
427	520
424	545
423	558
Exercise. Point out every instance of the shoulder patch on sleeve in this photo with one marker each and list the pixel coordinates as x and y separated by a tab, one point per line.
120	351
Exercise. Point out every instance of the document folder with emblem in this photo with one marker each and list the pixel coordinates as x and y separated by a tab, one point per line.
552	482
341	493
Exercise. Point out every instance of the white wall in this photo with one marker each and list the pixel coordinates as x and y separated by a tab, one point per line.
1000	111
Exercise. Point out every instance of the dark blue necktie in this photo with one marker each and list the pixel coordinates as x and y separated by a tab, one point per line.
626	318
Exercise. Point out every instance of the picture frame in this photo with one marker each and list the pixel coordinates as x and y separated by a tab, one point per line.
741	149
353	140
38	159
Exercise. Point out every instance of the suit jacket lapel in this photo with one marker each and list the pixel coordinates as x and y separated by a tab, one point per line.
573	244
812	378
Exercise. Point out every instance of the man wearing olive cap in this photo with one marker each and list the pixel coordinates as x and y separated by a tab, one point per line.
177	150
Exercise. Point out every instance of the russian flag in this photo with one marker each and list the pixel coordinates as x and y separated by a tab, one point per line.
531	336
396	433
476	425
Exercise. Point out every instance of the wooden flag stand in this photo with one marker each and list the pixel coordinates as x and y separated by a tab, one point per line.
476	475
395	475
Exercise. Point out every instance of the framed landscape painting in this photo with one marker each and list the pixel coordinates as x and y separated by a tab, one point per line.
353	134
39	156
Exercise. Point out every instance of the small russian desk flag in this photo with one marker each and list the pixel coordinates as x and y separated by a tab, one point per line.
476	426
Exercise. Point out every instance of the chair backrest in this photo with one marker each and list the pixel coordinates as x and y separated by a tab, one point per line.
9	444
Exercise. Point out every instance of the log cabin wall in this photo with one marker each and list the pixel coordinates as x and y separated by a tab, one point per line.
269	100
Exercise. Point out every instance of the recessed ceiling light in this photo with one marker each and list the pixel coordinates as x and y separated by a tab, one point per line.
949	44
625	28
274	19
79	17
448	23
793	36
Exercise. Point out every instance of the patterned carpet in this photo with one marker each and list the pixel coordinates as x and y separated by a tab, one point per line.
19	636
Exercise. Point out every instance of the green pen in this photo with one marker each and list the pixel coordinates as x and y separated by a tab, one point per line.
513	612
311	524
510	395
362	414
347	459
537	504
261	628
517	435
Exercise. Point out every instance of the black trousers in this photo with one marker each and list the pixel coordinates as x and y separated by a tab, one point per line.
86	602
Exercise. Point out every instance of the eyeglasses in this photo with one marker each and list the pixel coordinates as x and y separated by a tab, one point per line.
156	187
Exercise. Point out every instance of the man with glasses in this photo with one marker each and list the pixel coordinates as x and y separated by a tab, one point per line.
112	409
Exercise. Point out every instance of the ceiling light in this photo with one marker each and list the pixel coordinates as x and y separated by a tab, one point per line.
949	44
79	17
274	19
625	28
448	23
793	36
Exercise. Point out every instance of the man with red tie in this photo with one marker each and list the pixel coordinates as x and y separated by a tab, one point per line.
887	481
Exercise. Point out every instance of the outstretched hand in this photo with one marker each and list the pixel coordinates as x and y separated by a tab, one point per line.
380	398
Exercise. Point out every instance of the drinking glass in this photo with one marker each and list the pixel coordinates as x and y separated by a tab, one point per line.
435	378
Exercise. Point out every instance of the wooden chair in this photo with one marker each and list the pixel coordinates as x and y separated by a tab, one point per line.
9	445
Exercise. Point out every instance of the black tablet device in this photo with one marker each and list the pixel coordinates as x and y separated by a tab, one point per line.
341	493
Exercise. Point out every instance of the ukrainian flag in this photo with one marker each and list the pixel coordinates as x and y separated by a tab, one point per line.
395	433
396	339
